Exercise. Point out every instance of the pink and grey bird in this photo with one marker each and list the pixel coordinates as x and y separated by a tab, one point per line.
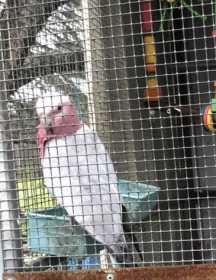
78	171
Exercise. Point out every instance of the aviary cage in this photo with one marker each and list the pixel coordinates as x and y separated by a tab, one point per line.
142	75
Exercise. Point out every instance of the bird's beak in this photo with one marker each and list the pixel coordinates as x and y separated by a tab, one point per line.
46	121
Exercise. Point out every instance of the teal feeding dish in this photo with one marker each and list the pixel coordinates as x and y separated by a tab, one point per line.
50	231
138	198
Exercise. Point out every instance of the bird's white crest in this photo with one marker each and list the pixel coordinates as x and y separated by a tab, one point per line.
46	104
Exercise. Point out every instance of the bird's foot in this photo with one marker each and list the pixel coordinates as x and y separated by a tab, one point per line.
107	261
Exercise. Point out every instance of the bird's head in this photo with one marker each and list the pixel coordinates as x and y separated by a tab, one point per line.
58	117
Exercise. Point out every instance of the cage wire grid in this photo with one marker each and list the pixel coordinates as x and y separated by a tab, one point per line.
107	134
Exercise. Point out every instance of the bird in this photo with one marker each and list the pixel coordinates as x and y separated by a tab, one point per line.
79	172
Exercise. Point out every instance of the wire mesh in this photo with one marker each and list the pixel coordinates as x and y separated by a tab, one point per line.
107	133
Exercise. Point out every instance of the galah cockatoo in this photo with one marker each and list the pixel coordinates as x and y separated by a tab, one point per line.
78	171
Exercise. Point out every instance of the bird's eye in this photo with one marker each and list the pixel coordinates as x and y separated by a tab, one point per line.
59	107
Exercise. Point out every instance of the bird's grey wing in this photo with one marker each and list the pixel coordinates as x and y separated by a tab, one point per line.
100	209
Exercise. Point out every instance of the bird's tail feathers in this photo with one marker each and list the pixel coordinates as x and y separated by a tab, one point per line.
131	238
122	255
